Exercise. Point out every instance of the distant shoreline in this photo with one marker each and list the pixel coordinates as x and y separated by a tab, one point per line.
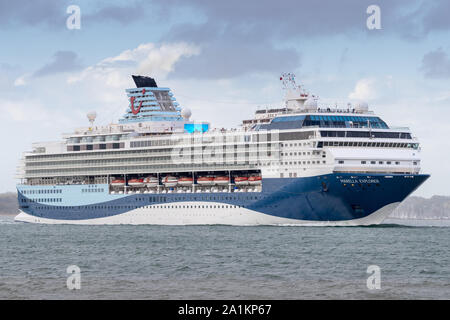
8	214
428	219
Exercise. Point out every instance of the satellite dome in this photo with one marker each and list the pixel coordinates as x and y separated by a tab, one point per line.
186	113
310	104
362	106
92	115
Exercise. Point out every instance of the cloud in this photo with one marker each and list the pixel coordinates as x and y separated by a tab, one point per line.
52	13
22	80
296	19
31	111
436	64
266	36
373	89
230	50
7	75
289	19
285	19
123	14
147	59
102	84
99	86
436	18
224	60
32	13
63	61
365	89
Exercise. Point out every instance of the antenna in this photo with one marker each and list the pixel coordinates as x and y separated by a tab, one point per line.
288	80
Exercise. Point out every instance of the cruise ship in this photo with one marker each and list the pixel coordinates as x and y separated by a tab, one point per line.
299	163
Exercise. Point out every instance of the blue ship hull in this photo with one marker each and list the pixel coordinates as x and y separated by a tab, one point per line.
337	197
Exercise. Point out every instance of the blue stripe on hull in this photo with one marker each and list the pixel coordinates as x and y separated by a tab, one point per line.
331	197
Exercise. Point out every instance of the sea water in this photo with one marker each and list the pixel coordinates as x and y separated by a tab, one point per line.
223	262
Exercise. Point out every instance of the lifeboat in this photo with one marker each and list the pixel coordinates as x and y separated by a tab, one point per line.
205	180
241	181
254	180
118	183
221	180
185	181
170	181
151	182
136	182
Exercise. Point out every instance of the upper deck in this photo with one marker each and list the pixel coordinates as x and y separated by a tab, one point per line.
148	102
143	143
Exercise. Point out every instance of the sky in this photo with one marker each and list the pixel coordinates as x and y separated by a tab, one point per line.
223	60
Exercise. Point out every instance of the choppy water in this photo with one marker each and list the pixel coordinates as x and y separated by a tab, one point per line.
222	262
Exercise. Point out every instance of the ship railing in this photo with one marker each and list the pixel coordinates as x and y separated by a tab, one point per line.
327	110
399	128
223	161
160	169
153	153
115	128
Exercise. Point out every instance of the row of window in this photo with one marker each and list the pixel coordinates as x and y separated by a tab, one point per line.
44	191
160	199
50	200
100	146
66	181
212	153
344	118
296	144
295	122
216	165
98	138
302	162
92	190
193	141
109	154
199	198
366	134
224	206
300	153
344	121
366	144
379	162
126	153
